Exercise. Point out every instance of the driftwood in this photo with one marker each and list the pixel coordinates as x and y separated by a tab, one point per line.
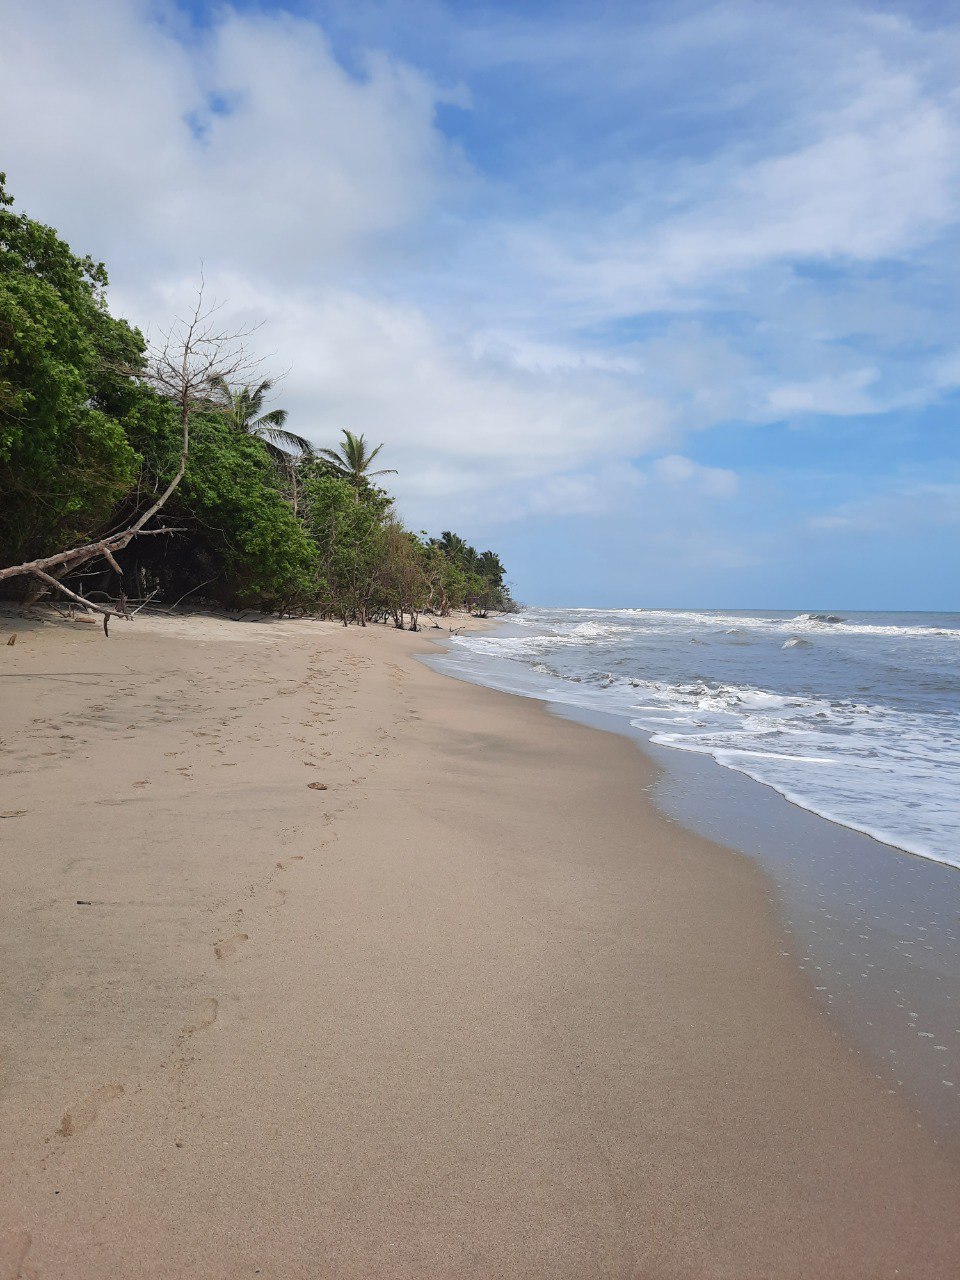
72	595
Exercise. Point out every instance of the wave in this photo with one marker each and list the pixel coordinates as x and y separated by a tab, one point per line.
656	620
872	748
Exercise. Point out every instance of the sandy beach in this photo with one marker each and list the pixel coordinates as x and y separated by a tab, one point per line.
319	964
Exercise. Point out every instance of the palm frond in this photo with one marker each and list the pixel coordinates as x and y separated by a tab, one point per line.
275	418
255	396
352	459
332	456
277	435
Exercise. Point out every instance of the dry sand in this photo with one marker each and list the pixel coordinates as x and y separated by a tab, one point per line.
476	1009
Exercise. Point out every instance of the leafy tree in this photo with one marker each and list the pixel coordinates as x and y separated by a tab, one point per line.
240	539
446	584
348	535
353	460
404	581
462	576
455	549
65	459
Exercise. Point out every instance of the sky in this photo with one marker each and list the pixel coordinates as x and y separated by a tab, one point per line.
659	300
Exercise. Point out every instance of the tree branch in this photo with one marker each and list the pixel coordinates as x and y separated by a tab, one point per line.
80	555
87	604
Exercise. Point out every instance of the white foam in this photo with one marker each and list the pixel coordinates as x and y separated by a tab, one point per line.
732	624
891	770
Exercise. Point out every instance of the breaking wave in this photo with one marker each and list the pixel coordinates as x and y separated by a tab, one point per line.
855	718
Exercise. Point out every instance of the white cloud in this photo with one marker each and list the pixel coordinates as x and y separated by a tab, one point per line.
844	394
290	195
895	510
873	178
946	371
711	482
585	494
457	422
252	148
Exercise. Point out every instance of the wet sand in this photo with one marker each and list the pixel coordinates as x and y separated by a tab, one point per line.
468	1006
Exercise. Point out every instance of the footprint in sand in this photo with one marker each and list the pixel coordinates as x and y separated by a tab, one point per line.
224	950
83	1115
206	1016
13	1256
294	857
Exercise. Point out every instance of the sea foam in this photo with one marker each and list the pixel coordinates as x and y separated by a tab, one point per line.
855	717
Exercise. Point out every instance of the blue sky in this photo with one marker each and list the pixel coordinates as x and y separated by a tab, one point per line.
660	300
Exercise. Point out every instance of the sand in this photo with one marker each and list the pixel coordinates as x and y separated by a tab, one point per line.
319	964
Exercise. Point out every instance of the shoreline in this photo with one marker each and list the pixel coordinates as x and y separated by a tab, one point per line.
624	724
874	925
475	1007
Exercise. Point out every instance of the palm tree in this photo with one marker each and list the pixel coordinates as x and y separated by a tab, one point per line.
352	460
242	406
460	552
490	566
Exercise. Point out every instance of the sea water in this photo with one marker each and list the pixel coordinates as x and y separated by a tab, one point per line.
854	716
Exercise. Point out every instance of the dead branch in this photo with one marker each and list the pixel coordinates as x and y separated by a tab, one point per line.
143	604
87	604
80	555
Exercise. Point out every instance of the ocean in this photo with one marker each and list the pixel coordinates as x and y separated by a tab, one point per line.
854	716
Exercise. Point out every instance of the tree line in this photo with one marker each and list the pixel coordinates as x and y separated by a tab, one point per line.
133	473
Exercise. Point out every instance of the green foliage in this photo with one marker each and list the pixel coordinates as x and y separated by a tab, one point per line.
348	534
404	582
243	407
240	537
65	459
353	459
464	577
231	493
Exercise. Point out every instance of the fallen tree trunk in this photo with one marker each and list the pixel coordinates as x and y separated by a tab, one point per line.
80	555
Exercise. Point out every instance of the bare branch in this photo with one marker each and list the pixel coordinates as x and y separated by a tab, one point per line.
68	560
143	604
87	604
108	556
